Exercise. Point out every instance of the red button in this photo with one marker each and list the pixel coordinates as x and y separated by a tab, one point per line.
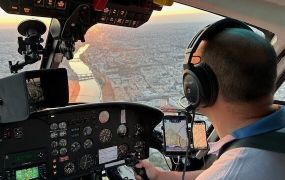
61	4
99	5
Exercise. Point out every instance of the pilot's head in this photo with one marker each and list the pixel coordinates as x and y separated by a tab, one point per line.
242	63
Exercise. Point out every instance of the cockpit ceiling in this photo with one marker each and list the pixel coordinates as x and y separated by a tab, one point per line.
267	14
253	11
278	2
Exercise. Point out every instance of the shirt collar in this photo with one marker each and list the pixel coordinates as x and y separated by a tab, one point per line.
268	123
216	146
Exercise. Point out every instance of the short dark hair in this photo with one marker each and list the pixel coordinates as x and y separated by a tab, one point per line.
244	64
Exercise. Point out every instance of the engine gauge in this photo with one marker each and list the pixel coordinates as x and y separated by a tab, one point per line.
105	135
123	150
88	143
104	117
86	161
75	147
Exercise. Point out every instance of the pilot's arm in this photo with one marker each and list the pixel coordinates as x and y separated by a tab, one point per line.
154	173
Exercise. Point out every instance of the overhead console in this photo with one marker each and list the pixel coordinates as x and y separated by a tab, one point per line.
74	141
130	13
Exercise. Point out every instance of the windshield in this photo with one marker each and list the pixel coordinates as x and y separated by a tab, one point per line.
141	65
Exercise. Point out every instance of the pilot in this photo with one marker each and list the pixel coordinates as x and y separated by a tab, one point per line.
244	65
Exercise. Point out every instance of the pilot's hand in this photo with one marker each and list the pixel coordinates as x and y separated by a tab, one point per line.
151	171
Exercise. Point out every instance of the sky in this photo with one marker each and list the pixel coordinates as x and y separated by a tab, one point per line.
168	14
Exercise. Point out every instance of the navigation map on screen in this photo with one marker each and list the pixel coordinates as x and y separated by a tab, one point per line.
176	139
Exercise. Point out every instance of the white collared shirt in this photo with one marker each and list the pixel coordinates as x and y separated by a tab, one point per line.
245	163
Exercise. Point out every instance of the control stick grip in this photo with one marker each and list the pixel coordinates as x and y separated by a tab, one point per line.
141	172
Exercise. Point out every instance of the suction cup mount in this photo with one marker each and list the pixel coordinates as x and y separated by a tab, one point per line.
31	27
30	47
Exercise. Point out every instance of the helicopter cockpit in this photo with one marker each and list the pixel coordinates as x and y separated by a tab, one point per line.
45	135
60	143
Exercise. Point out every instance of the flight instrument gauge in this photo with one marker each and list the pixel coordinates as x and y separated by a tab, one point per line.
140	146
87	131
105	135
88	143
86	162
104	117
75	147
69	168
122	130
122	150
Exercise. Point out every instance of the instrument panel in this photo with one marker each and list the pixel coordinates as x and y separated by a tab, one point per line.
45	8
74	141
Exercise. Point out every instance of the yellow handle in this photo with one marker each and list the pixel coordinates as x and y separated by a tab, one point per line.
163	2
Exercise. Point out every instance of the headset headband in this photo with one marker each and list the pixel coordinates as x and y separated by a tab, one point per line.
209	31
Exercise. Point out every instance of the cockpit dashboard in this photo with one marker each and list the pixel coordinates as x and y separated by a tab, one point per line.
70	142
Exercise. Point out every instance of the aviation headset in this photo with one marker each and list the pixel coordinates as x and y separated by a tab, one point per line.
199	81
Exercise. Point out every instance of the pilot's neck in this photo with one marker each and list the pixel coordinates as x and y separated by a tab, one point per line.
226	117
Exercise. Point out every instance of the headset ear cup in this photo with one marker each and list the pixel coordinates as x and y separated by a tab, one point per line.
211	83
199	81
192	88
202	85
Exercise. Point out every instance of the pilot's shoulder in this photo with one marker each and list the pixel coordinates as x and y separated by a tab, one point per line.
246	163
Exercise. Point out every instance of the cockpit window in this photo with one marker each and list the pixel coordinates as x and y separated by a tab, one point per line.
280	93
9	42
141	65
